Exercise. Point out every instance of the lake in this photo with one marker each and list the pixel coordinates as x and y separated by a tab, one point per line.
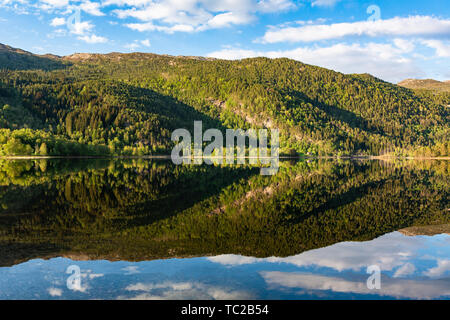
147	229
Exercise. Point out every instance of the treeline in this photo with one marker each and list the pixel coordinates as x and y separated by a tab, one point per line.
28	142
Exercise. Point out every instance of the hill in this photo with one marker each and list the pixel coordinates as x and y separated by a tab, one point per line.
18	59
428	84
130	103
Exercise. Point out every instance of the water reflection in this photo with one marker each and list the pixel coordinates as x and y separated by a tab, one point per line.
308	232
413	267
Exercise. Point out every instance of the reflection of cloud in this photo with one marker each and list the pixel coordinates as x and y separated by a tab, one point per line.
183	291
400	288
55	292
442	267
389	252
82	285
234	260
405	270
131	270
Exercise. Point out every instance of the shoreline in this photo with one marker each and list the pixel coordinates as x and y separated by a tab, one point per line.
281	157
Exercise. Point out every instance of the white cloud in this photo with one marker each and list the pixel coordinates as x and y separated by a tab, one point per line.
195	15
57	33
227	19
381	60
55	3
146	43
134	3
235	54
80	28
324	3
415	289
151	27
137	44
170	290
442	49
275	5
93	8
58	22
404	45
132	46
93	39
55	292
410	26
441	269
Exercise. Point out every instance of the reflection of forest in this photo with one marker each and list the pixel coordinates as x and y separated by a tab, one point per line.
140	209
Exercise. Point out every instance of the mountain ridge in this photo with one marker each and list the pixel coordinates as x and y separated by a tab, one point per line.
427	84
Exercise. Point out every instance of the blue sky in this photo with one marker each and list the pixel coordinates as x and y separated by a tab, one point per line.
390	39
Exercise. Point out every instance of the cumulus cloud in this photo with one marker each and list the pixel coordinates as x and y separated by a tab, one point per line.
404	44
93	39
227	19
81	27
442	49
55	3
170	290
58	22
382	60
132	46
145	43
92	8
410	26
151	27
196	15
324	3
137	44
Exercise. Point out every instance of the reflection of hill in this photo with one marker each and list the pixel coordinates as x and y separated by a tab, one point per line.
426	230
141	210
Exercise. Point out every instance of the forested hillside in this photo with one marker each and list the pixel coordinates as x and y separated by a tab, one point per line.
128	104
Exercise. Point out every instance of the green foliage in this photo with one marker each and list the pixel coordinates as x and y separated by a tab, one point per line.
28	142
140	209
132	102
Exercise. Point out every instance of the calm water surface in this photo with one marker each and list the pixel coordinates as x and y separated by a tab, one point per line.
146	229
